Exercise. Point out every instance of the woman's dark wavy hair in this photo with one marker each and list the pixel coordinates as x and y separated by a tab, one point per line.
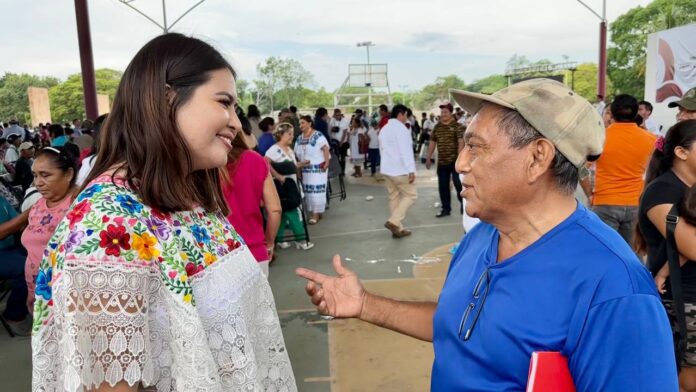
682	134
141	136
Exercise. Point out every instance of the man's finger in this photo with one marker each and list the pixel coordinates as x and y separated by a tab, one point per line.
311	275
318	296
338	266
323	308
310	288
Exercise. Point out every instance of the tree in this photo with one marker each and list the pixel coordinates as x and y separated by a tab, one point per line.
316	99
489	84
67	98
14	100
629	37
277	74
439	90
586	81
244	94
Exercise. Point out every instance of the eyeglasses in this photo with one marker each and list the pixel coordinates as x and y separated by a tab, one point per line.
483	283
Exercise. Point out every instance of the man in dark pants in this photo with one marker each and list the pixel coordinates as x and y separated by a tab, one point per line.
448	137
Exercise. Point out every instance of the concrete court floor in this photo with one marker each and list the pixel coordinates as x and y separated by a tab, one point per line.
354	229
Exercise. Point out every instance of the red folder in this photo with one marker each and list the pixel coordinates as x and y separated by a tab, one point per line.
548	372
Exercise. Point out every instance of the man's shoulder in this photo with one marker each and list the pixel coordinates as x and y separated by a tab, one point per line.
605	257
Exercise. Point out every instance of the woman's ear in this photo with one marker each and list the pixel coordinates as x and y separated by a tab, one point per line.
681	153
169	93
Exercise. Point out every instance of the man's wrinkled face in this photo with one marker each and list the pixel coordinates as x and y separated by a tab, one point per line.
493	172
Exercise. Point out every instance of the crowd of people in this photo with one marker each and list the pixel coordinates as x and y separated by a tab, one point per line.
138	245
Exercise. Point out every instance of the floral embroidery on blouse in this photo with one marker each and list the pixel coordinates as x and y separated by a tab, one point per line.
109	222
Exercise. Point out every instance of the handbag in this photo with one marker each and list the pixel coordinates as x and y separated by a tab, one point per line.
289	194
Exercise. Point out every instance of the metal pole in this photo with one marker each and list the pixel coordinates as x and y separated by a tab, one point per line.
164	16
84	40
369	80
602	69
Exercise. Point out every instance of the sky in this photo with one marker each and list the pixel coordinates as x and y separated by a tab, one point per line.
419	40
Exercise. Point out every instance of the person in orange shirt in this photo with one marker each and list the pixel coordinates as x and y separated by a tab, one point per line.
622	166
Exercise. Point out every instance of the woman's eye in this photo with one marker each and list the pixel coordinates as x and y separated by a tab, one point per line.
226	103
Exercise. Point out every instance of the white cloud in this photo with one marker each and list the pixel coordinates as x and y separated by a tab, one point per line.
471	39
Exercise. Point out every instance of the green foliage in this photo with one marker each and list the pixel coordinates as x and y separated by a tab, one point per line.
489	84
278	75
586	81
315	99
629	36
67	98
14	100
439	90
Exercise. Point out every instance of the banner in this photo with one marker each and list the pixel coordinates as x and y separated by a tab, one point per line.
670	70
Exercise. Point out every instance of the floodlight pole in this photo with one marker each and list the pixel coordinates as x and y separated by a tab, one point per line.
602	67
367	45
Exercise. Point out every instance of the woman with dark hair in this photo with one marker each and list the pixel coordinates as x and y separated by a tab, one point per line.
249	187
145	284
57	134
671	172
254	116
312	150
321	122
249	138
266	140
54	172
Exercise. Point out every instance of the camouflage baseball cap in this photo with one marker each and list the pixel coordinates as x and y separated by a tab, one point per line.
558	113
688	101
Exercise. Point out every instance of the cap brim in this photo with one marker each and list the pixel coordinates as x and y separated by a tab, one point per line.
471	102
686	104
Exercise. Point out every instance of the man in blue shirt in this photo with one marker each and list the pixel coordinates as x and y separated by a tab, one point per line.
540	273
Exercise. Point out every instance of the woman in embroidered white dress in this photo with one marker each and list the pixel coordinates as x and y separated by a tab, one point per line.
312	151
145	284
357	136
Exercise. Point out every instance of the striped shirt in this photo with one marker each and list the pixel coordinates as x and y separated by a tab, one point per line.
447	137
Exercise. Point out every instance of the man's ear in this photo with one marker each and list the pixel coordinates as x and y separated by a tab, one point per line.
542	153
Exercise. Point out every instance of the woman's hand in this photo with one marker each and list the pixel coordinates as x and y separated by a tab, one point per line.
281	178
660	283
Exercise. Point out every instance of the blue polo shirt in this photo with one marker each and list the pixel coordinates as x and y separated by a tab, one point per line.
579	290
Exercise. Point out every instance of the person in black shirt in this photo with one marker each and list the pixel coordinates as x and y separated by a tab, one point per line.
670	174
23	175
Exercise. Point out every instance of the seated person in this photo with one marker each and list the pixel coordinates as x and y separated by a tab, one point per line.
12	258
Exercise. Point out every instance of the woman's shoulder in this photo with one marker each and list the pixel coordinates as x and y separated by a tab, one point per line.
666	182
665	189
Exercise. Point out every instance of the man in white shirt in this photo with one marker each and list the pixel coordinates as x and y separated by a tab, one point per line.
600	105
398	168
338	132
645	109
